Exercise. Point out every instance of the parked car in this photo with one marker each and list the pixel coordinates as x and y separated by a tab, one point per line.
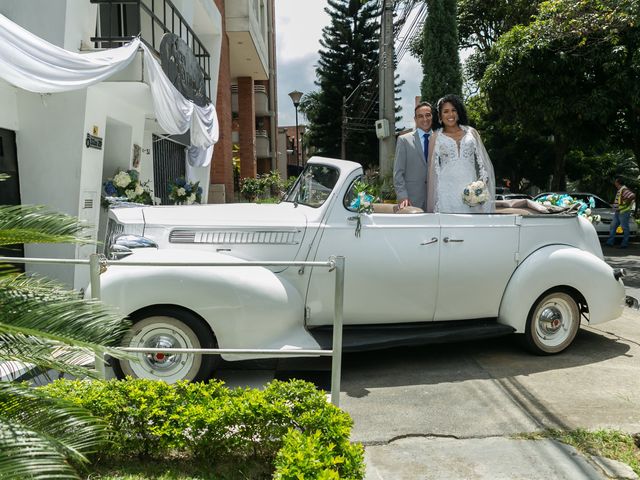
602	208
512	196
410	278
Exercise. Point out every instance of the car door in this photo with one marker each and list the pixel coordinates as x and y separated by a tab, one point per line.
391	268
478	254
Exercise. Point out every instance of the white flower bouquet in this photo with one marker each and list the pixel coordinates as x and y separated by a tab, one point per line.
125	186
475	193
182	192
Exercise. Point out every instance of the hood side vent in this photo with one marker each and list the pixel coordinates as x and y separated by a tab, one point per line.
236	237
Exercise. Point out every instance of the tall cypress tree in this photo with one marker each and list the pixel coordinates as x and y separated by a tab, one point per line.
440	60
347	68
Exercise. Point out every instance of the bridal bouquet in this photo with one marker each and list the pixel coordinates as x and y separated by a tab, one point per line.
475	193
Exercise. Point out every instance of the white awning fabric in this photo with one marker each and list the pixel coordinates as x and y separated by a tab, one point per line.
35	65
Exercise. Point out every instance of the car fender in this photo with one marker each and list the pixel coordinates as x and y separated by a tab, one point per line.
561	266
245	306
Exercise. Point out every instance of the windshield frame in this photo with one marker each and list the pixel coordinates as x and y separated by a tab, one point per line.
309	188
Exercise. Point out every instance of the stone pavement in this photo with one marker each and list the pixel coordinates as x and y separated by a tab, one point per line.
455	411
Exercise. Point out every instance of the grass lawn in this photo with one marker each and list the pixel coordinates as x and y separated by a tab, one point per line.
604	443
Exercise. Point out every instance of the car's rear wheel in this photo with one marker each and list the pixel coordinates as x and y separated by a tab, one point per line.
168	327
553	323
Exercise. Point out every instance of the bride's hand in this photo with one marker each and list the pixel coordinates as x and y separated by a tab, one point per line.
404	203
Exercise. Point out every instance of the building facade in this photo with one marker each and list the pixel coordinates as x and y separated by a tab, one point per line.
43	136
247	96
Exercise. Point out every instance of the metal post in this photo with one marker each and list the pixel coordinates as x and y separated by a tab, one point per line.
336	358
297	139
343	137
94	272
387	88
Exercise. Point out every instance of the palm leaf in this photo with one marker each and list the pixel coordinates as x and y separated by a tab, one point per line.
40	436
43	324
36	224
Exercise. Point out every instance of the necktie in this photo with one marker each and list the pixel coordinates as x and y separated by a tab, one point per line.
426	146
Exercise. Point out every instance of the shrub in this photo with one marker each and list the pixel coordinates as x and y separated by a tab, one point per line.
288	427
267	187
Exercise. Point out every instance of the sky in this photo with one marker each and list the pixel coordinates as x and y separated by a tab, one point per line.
299	26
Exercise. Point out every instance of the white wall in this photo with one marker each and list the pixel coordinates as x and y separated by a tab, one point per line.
80	24
45	18
49	145
9	106
124	122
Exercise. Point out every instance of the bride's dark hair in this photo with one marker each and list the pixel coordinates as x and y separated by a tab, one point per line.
454	100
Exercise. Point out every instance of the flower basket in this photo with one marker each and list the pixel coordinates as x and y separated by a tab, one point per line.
182	192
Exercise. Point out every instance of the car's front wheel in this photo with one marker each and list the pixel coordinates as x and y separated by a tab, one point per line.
553	323
168	327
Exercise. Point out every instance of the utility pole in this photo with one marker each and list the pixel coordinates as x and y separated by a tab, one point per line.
387	93
343	137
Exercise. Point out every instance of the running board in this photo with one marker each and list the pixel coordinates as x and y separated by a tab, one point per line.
358	338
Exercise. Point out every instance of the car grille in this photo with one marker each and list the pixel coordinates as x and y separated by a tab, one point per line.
113	230
268	237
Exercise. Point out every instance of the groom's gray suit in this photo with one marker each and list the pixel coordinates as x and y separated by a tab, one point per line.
410	170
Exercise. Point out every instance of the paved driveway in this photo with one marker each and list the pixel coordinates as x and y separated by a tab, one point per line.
496	388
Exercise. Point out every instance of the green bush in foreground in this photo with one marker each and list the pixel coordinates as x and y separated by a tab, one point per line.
289	428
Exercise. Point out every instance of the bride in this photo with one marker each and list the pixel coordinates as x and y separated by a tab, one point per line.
457	157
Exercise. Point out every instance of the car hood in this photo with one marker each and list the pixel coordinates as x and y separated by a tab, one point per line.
250	215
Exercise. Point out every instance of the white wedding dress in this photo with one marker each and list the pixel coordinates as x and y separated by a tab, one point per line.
452	167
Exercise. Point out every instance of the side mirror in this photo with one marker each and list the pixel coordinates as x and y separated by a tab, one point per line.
123	246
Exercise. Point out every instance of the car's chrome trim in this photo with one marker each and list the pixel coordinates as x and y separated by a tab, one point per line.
235	237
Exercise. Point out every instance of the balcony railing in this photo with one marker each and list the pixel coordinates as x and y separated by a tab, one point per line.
119	21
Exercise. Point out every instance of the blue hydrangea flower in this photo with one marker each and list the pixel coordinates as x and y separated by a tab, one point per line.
110	188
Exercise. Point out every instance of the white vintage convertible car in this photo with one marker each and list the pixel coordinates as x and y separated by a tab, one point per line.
410	277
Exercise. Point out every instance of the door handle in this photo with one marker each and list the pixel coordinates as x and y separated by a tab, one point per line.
433	240
452	240
352	219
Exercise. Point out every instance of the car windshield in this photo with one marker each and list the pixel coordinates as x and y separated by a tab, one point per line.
313	186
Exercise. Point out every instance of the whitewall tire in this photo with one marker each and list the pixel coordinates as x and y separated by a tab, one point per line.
168	327
553	323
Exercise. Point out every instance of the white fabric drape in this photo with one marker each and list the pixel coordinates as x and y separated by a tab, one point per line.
33	64
176	114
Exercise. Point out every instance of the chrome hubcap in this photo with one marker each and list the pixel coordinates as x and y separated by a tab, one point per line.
550	320
159	360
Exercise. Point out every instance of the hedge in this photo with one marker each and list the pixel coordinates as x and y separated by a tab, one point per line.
288	427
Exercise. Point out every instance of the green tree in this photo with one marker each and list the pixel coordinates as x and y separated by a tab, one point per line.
571	74
46	326
440	60
347	69
482	22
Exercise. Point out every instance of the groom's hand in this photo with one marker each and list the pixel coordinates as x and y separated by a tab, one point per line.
404	203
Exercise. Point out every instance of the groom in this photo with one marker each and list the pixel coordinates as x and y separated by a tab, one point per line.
410	167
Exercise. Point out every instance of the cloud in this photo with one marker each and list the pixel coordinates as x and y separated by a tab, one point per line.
298	74
299	27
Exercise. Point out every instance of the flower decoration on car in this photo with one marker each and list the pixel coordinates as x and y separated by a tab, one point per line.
125	186
475	193
362	203
582	208
182	192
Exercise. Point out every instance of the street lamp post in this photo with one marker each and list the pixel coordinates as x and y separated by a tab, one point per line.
295	97
344	124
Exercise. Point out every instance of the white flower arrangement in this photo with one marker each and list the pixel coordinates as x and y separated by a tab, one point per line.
182	192
126	186
475	193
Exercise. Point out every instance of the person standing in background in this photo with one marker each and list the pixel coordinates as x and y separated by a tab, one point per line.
623	204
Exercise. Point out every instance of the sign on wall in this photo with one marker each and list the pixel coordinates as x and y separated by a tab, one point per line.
181	66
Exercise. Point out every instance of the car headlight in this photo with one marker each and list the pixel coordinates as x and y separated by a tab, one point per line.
123	245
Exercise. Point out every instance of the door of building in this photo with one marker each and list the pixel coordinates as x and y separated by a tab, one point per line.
168	165
10	187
